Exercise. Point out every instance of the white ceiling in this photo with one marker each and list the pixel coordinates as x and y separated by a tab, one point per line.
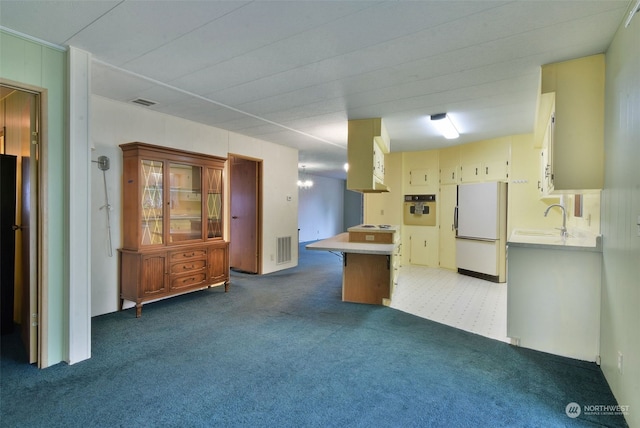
294	72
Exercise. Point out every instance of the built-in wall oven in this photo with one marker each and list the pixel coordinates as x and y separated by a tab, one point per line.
420	210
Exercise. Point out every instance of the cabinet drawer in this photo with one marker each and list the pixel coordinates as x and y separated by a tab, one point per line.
184	281
177	256
187	266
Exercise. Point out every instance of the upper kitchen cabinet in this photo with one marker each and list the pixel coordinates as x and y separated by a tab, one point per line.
368	143
449	165
420	171
576	152
543	139
486	160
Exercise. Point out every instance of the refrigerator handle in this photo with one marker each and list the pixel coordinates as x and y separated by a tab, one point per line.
455	219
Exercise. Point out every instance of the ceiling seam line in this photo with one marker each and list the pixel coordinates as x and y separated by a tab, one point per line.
200	97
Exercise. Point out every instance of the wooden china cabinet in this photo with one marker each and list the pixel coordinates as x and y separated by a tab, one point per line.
173	223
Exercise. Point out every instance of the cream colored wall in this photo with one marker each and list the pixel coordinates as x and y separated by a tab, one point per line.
114	123
620	317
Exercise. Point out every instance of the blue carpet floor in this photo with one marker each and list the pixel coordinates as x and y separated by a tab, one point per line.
282	350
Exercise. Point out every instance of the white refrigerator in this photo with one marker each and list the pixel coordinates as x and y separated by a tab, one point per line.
481	230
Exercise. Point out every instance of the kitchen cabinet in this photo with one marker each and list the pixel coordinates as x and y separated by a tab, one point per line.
449	161
368	144
447	232
576	149
370	262
371	278
366	278
173	223
420	172
553	295
485	161
386	208
448	174
423	245
422	177
546	178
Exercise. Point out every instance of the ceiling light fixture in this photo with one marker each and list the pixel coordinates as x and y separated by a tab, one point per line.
633	11
304	182
444	125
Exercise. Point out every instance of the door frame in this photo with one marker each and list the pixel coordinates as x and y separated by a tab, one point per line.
39	222
258	206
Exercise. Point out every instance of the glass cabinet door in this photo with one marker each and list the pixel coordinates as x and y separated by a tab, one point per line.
152	206
185	202
213	181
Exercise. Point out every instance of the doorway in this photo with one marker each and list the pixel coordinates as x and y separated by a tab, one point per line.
20	113
245	183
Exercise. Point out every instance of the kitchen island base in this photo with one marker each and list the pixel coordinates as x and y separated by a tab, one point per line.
370	257
365	278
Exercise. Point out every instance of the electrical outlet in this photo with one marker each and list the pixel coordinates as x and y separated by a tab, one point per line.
619	362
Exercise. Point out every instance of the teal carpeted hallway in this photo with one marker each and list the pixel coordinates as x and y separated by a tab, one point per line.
283	350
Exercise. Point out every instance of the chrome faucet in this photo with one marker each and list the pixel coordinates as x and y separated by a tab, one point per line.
563	229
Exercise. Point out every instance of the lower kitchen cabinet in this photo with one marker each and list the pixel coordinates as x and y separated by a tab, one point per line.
423	245
366	278
155	274
553	299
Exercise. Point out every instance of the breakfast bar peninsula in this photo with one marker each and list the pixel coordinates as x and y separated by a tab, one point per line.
370	261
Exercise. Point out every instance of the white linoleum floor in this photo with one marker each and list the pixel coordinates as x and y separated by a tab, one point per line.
460	301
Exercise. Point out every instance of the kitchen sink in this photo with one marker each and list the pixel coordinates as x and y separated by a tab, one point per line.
553	237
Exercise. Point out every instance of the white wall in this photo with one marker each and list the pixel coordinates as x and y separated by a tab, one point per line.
620	317
114	123
321	209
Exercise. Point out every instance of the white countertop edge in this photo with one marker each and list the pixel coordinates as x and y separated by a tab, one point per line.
341	243
597	249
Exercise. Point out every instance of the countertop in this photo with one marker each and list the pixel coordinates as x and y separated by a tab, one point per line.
551	239
341	243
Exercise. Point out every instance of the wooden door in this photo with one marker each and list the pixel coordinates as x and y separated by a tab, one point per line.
21	138
7	240
244	200
29	313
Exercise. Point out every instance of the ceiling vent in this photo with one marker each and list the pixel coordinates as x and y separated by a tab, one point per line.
143	102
